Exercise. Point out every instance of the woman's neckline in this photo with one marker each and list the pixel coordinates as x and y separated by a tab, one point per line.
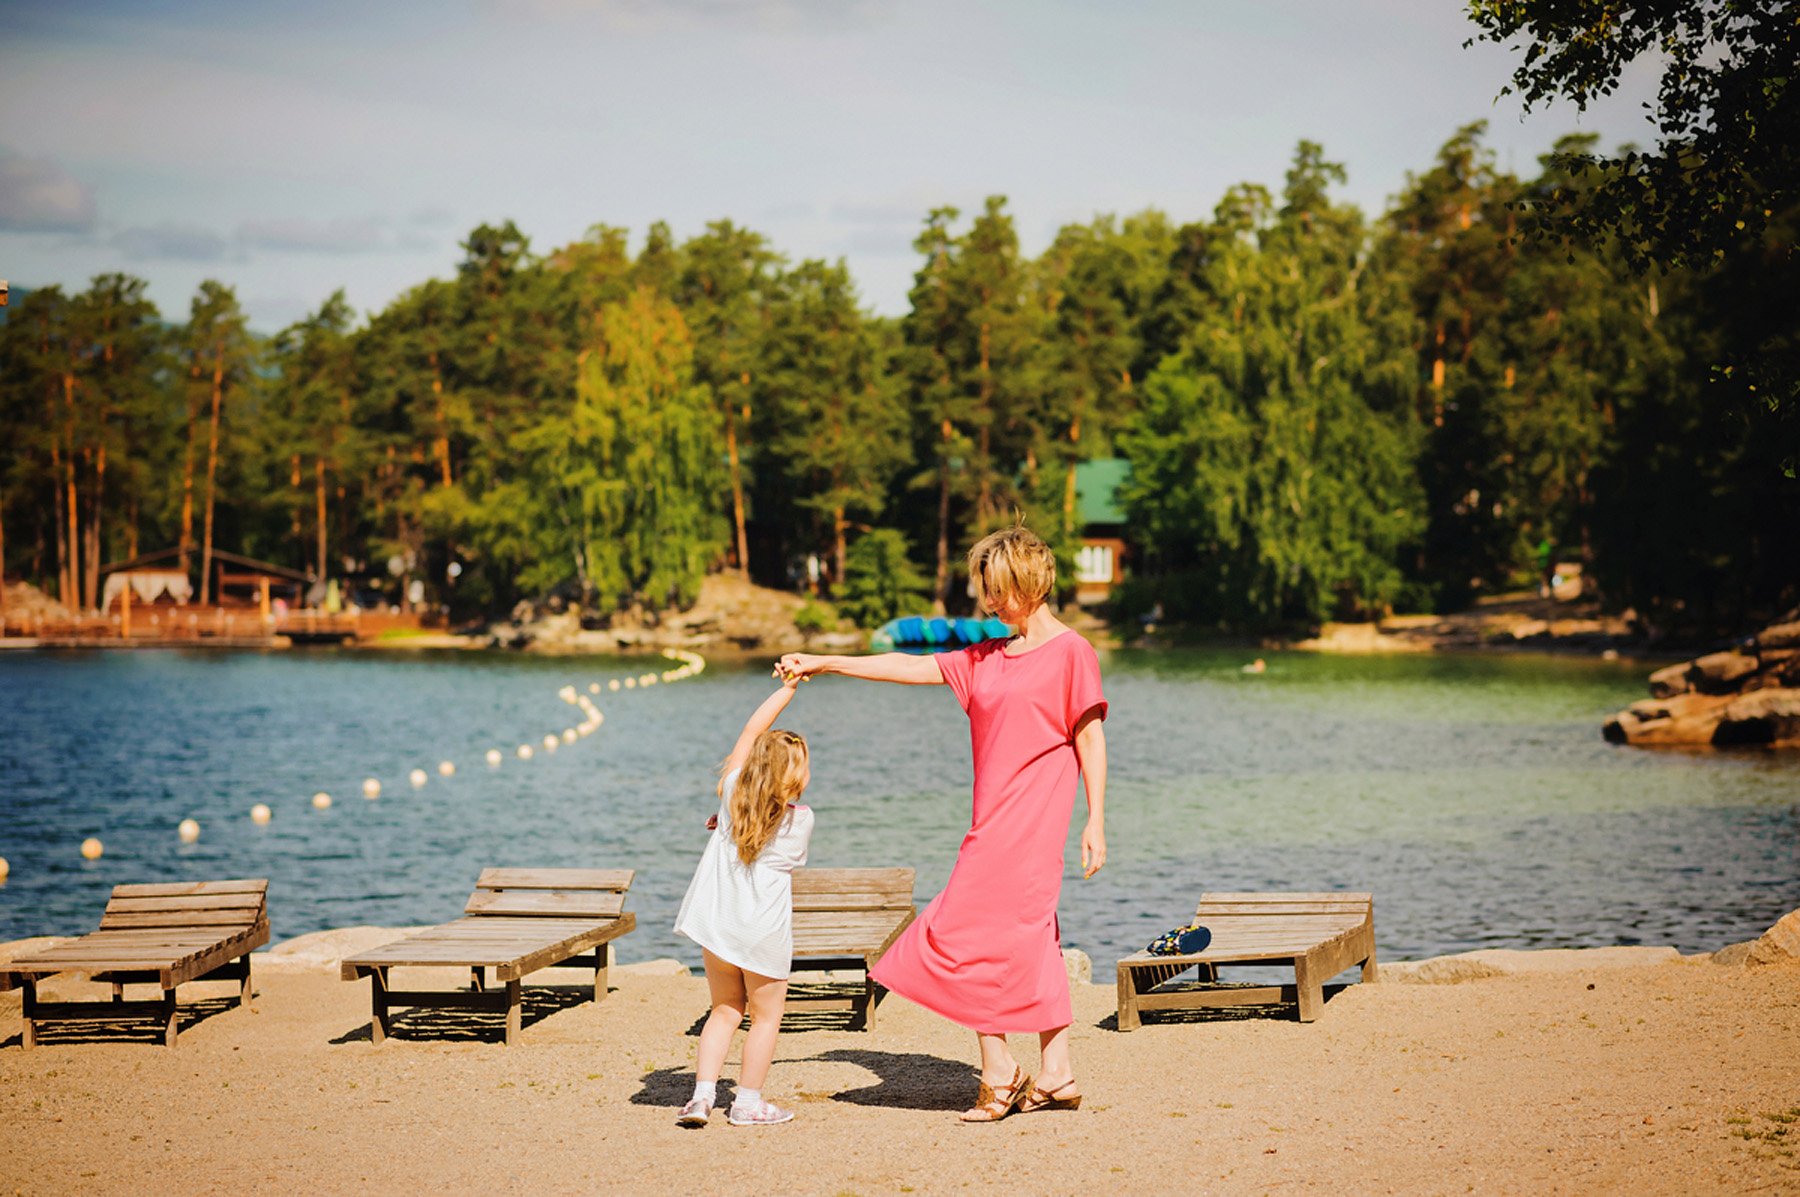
1039	648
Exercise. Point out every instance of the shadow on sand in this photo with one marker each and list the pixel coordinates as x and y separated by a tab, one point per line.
536	1003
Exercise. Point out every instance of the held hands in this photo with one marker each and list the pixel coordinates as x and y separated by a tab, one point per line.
1093	849
794	668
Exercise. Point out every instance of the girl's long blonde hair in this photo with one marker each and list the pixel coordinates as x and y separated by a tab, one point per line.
773	775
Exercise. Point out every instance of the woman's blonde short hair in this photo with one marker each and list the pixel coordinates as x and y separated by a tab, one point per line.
1012	569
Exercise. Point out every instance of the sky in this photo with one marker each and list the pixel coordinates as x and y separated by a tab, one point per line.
292	149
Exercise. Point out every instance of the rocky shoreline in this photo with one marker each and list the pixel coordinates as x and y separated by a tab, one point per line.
1746	696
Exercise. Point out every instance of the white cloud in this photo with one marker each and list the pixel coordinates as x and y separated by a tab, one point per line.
171	240
300	235
38	196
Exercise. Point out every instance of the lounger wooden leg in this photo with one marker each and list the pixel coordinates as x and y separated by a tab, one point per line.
603	960
168	1016
514	995
475	979
378	1006
118	991
244	983
1370	972
872	995
1309	987
28	1038
1128	999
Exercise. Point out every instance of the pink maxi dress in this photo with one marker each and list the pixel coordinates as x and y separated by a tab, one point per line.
986	952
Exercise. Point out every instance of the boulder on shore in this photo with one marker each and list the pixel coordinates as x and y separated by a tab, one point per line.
1746	696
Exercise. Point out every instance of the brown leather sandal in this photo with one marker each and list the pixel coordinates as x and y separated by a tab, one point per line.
991	1106
1048	1100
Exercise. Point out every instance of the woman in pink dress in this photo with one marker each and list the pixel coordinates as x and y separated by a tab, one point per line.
985	952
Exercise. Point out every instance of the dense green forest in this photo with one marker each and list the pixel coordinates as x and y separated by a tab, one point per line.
1325	414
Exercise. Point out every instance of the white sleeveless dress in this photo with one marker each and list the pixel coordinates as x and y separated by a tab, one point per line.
744	913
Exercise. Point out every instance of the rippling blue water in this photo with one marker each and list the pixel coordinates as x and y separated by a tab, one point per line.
1472	795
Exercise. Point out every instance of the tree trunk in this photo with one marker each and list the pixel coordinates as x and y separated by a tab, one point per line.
984	498
941	588
71	504
840	548
212	471
319	495
91	579
62	524
737	491
442	445
187	479
2	564
1069	489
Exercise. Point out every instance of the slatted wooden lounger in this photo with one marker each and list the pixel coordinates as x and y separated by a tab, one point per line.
164	935
846	919
516	922
1320	935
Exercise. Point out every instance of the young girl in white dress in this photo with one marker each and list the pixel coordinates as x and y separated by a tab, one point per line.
740	909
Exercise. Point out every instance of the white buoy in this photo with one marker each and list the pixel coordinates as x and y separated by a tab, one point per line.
91	848
4	868
417	777
371	788
649	679
567	694
631	683
550	743
259	814
568	735
524	752
585	729
188	830
594	688
493	756
446	768
322	800
613	685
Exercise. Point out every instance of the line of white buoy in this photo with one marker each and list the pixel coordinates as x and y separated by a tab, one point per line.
690	665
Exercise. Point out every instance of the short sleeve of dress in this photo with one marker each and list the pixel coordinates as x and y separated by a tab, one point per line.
959	672
1084	692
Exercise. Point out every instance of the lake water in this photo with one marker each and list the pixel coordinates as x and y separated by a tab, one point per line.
1472	795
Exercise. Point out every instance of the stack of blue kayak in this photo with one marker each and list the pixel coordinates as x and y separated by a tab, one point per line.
936	632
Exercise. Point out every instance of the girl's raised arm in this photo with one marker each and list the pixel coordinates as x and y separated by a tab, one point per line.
760	721
904	668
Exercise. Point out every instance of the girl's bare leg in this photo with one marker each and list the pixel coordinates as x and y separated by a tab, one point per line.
767	998
726	984
1058	1070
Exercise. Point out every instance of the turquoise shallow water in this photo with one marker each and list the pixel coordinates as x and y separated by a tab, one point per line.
1472	795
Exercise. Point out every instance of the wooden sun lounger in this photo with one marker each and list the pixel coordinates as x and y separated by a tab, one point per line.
516	922
1320	935
164	935
846	919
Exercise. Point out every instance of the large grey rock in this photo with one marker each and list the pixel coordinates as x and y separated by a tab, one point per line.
1734	955
325	950
663	966
1761	717
1781	635
1080	968
1780	944
1666	683
1496	962
1720	673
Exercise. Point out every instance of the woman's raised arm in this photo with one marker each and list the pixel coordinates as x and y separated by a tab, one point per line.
904	668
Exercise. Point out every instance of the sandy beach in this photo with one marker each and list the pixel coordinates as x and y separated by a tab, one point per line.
1593	1072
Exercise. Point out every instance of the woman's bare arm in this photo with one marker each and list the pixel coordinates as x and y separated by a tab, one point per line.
904	668
1090	752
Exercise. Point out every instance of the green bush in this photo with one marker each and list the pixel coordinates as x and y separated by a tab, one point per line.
813	618
880	582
